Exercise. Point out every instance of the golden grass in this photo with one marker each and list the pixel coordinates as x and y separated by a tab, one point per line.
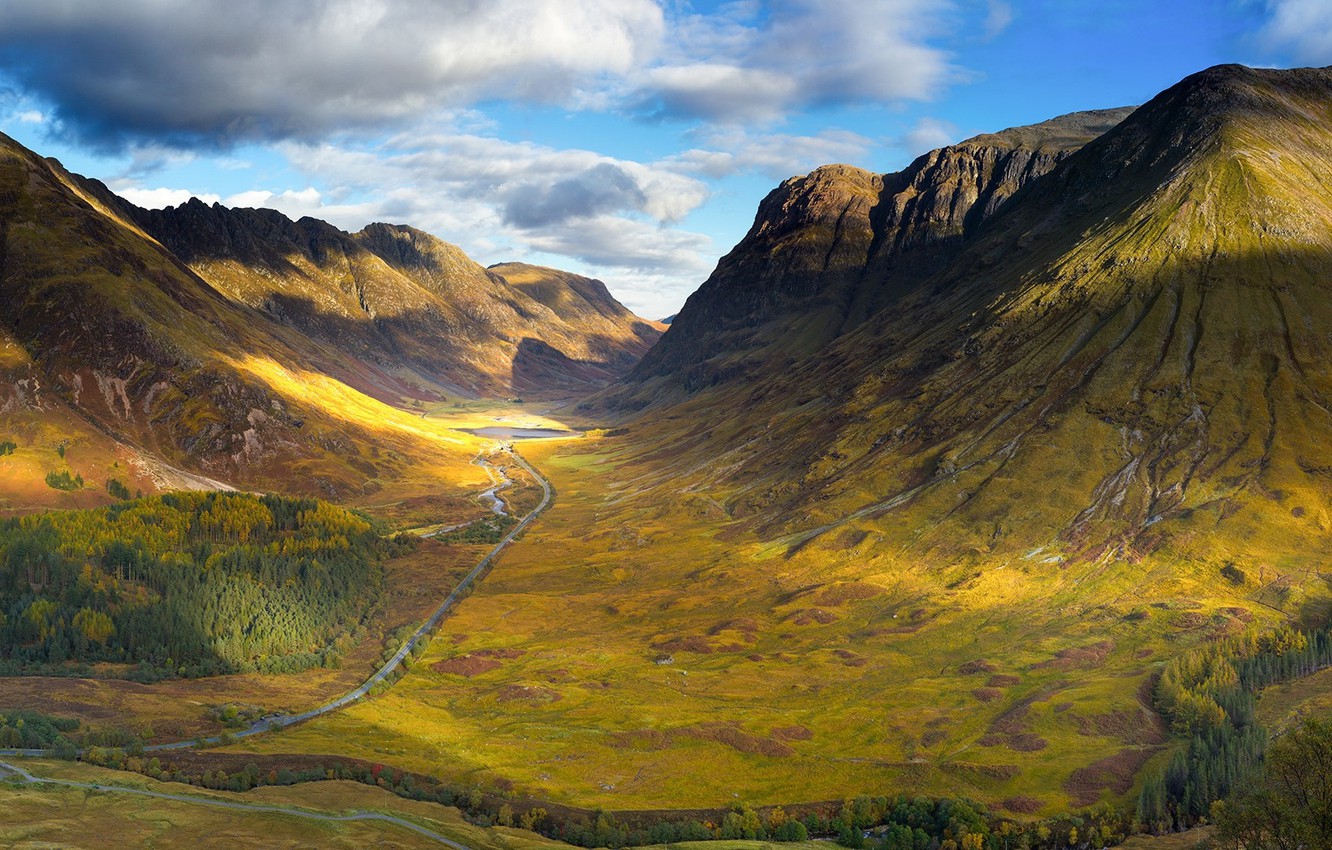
42	816
818	676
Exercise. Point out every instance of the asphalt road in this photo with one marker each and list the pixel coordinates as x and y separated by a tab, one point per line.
8	770
281	721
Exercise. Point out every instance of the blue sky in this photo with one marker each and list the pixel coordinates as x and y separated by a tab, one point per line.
630	140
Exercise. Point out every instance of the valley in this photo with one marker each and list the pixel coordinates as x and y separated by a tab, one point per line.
979	498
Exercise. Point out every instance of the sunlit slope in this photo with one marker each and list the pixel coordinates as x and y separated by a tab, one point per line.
421	317
116	350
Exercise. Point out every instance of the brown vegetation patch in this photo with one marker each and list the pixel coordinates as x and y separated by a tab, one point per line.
805	616
1027	742
992	740
687	643
1062	707
527	693
1115	773
932	737
466	665
980	665
727	734
1087	657
500	653
740	740
1130	726
1190	621
852	591
1022	805
1244	615
745	625
849	539
851	659
1002	680
987	694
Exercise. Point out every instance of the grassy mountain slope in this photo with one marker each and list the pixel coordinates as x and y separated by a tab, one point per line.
120	357
947	551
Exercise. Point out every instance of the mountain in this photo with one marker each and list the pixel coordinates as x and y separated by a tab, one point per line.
403	301
831	248
202	346
1143	331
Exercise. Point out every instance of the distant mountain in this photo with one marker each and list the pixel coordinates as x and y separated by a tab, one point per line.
199	345
395	297
831	248
669	319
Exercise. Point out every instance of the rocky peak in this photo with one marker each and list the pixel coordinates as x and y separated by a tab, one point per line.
832	247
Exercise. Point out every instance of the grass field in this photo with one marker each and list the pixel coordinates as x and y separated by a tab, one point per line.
45	816
636	655
40	816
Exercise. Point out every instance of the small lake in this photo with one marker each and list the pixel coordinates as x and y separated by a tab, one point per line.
508	432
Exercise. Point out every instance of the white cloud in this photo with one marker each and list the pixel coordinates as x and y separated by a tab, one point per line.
775	155
928	134
156	199
999	15
1302	26
757	62
31	116
292	203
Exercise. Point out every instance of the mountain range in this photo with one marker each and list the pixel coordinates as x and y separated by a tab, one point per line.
227	343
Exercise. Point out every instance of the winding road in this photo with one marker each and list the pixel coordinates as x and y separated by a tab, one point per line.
14	771
281	721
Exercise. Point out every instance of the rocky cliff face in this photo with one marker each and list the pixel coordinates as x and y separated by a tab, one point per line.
831	248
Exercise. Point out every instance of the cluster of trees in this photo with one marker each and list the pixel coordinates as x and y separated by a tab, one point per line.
1209	696
63	480
187	584
1292	806
7	447
487	531
32	730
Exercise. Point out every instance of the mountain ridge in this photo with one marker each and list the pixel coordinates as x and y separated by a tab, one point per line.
829	249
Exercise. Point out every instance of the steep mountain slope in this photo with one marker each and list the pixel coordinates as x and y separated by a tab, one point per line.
120	362
1145	334
832	247
405	303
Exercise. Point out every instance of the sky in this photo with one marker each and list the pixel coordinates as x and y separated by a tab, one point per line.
628	140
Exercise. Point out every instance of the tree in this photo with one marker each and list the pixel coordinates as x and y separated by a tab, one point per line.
1292	807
